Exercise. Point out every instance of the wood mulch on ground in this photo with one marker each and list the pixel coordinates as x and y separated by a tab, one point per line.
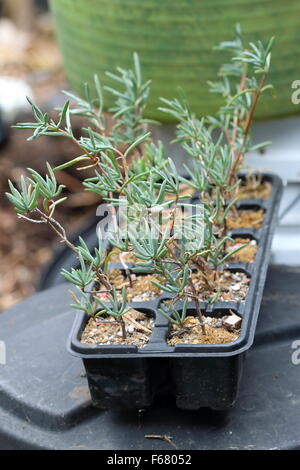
25	248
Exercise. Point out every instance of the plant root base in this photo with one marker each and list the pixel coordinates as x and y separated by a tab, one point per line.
233	286
255	190
142	289
96	333
245	219
215	332
246	254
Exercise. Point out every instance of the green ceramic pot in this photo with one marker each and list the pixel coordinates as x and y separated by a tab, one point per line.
174	39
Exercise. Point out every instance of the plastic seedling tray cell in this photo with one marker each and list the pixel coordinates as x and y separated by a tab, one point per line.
199	375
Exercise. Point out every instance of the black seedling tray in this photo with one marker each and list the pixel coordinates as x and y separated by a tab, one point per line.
198	375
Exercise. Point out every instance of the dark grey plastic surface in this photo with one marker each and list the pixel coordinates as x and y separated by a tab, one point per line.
45	401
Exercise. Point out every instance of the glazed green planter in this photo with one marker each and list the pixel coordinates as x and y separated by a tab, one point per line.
174	39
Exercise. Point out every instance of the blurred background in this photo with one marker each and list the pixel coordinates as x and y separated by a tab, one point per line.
30	64
174	39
